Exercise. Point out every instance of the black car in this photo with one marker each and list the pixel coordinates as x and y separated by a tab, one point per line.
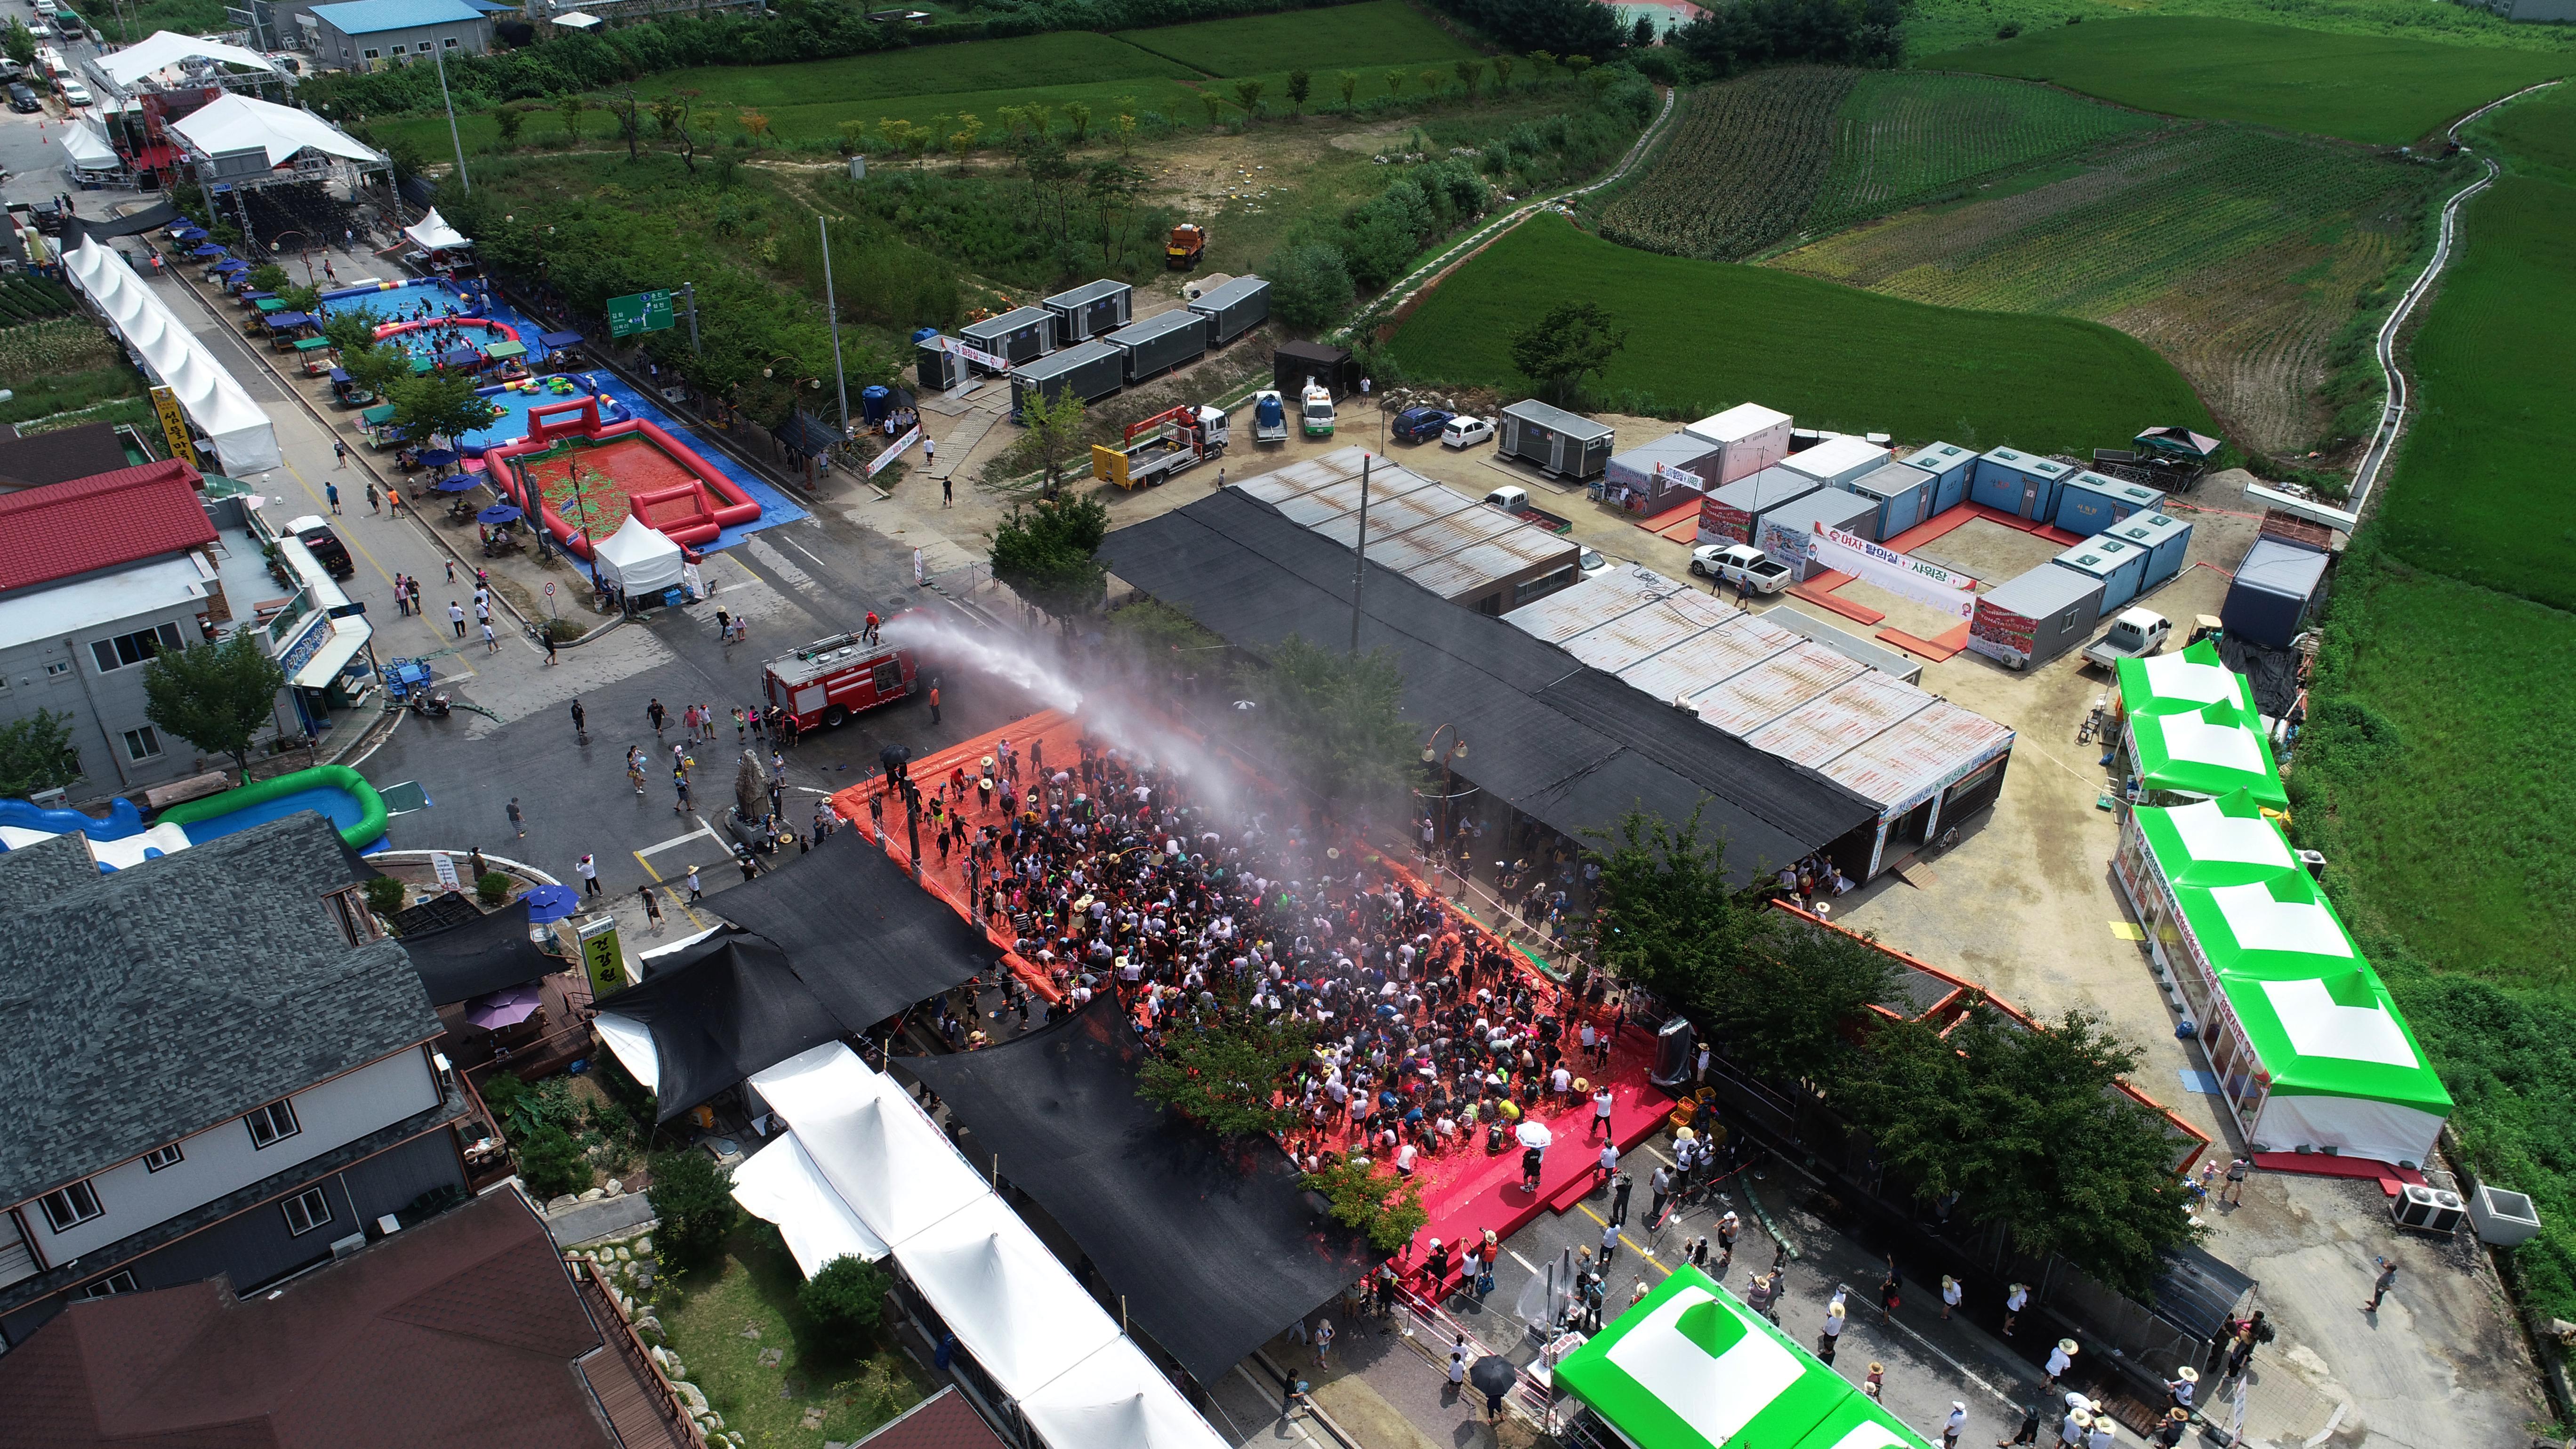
22	98
324	545
1413	425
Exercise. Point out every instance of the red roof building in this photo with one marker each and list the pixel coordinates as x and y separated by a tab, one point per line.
64	530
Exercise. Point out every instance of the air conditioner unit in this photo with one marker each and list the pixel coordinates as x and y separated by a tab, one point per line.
2428	1208
54	799
2315	862
348	1245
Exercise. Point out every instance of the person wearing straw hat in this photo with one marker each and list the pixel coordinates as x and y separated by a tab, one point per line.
2106	1431
2184	1383
1876	1384
2059	1358
2016	1298
2079	1422
2177	1423
1836	1315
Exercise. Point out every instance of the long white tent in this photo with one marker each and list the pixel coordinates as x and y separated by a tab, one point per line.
163	48
87	149
245	441
239	122
1027	1323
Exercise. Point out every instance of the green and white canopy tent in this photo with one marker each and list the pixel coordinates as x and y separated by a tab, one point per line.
2182	683
1691	1367
2309	1049
2202	754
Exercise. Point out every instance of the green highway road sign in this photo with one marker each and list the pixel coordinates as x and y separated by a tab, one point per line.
639	312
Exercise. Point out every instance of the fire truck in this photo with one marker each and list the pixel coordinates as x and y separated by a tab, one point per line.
829	680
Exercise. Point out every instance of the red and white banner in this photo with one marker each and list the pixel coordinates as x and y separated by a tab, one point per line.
991	362
879	463
1902	574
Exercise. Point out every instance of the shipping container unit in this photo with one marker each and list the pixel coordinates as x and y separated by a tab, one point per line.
2276	589
1733	514
1087	370
1566	444
1837	461
1752	436
1091	310
1233	309
2026	622
1160	343
1786	533
2122	569
2166	538
1022	334
2089	503
2018	483
1903	494
1648	490
939	368
1952	468
1292	364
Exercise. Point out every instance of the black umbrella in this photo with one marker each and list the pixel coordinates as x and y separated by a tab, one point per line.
1493	1374
893	758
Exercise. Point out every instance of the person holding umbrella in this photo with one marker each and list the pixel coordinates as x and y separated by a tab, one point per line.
1493	1377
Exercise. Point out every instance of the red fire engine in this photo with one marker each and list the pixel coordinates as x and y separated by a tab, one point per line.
829	680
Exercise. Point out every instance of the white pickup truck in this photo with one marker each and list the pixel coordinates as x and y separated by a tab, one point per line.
1742	565
2136	634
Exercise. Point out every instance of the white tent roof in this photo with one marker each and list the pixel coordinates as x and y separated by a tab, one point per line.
2210	833
631	1041
2189	737
164	48
434	234
890	1163
1117	1399
87	147
1006	1297
577	20
781	1183
245	441
639	558
2176	676
2320	1026
2261	921
238	122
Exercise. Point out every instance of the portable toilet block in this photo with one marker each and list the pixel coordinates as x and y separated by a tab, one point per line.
1903	493
1837	461
1160	343
1566	444
2166	538
939	369
2277	587
1017	336
2026	622
2088	503
1951	466
2021	484
1091	310
2122	569
1088	370
1734	513
1646	473
1786	532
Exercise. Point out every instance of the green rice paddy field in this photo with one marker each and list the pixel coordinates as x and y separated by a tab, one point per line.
1704	335
2375	88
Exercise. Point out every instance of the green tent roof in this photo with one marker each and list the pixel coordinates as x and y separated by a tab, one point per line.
1691	1367
2335	1035
2222	842
379	415
2215	750
505	348
2180	683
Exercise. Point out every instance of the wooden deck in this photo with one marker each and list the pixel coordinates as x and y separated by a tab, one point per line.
639	1408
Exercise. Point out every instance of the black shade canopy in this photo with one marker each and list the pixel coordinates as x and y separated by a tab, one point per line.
479	956
863	935
720	1011
1212	1241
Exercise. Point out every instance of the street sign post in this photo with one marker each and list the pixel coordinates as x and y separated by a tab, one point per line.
640	312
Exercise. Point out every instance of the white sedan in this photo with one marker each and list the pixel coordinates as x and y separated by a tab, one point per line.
1466	432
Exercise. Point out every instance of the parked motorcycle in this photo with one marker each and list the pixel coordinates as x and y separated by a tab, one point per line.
430	706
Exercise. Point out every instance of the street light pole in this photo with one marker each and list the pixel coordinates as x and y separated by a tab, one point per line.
1359	566
440	55
832	305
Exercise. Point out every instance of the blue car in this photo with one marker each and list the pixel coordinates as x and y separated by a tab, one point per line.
1415	424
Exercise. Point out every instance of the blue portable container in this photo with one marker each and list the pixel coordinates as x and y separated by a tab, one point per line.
1903	494
874	400
1951	466
2121	568
2166	539
2089	503
2021	484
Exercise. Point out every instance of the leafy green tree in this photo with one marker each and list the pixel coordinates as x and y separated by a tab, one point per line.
351	329
1430	81
215	696
1349	81
2030	1130
1471	73
552	1164
299	298
1784	1009
630	124
846	1300
1387	1211
1541	61
1503	64
19	42
1573	341
668	113
377	367
268	277
570	108
1224	1065
1301	84
693	1198
1045	552
1213	104
1337	719
513	119
36	754
1395	83
1668	917
439	404
1247	94
1051	437
1077	121
1310	285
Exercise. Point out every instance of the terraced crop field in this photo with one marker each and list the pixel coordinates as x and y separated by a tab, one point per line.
1741	167
1704	335
2236	252
1371	34
1906	137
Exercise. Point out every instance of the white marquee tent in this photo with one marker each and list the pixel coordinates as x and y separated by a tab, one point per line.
432	233
640	559
87	149
164	48
245	441
892	1175
238	122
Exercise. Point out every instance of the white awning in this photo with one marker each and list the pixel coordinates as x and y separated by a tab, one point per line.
348	636
165	48
2191	738
576	20
888	1161
1117	1399
640	558
781	1184
2174	676
87	147
2261	921
631	1042
239	122
245	441
1006	1297
432	233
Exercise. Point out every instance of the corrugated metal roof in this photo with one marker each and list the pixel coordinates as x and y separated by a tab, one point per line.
1785	681
369	17
1334	499
1473	568
1597	600
1699	664
1437	538
1906	760
1388	517
1286	483
1850	714
1631	637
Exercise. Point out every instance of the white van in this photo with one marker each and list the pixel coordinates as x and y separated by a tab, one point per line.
46	8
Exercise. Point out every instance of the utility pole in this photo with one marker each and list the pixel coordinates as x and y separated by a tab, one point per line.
1359	568
440	55
690	291
832	305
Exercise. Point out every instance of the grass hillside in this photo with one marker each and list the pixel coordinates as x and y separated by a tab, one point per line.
1741	166
1375	33
1704	335
1937	27
2379	89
